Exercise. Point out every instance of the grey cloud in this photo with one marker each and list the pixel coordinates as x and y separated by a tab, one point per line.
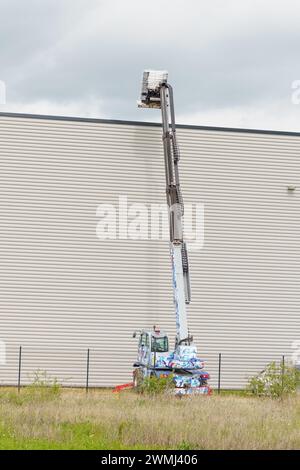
243	55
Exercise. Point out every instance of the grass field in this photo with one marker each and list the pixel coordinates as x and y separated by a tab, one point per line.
68	419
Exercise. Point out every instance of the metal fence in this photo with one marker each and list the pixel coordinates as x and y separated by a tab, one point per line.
220	363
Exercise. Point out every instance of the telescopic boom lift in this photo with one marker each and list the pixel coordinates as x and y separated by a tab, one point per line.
153	359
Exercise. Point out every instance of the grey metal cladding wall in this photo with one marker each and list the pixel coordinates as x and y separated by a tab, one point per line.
62	290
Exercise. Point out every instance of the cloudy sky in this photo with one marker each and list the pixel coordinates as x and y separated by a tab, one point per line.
231	62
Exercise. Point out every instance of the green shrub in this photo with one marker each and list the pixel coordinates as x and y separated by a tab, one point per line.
44	386
275	381
156	385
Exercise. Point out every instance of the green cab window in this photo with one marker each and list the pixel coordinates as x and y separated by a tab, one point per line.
159	344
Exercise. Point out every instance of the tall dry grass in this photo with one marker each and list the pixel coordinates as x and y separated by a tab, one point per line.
129	421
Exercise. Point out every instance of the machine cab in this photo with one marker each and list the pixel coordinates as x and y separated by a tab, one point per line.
152	344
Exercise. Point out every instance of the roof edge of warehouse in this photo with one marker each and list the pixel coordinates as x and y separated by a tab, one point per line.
146	123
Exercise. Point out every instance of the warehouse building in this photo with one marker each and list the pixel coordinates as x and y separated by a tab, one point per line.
65	291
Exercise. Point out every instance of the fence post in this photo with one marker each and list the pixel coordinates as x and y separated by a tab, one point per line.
219	374
282	372
87	370
19	371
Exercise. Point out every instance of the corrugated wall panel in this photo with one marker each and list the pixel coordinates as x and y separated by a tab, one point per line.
62	290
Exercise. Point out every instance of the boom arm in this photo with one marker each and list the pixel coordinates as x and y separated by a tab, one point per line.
156	92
